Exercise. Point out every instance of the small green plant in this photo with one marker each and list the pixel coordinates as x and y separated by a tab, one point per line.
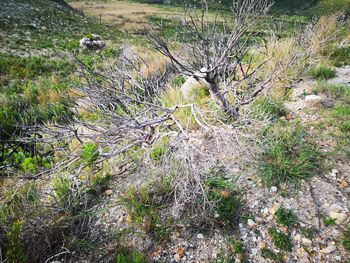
226	200
90	153
322	72
281	240
62	190
271	107
340	56
130	256
346	238
269	254
328	221
335	91
15	250
290	156
144	205
160	149
237	247
285	217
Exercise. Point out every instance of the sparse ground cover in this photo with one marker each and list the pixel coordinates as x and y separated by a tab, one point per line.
272	185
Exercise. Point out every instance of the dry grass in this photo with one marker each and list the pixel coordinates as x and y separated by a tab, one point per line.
127	15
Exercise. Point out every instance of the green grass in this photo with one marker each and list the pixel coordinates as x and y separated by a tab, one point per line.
285	217
281	240
340	56
322	72
345	239
270	107
145	204
225	198
160	149
130	256
340	92
328	221
289	156
269	254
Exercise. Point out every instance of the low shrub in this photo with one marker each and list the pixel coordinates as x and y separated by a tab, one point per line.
89	153
340	56
289	155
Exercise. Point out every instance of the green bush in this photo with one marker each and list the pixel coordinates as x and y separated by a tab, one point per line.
15	249
289	155
129	256
322	72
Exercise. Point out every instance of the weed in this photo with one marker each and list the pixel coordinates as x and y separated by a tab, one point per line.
285	217
144	205
335	91
308	232
129	256
322	72
328	221
90	153
289	156
225	198
160	149
281	240
340	56
271	107
15	250
346	238
62	189
237	247
269	254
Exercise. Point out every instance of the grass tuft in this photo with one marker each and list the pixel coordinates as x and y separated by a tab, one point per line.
322	72
285	217
346	238
271	107
281	240
289	157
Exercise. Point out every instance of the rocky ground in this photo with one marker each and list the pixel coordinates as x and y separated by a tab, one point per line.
324	196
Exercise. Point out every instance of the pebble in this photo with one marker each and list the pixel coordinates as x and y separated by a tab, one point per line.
328	249
340	217
108	192
200	236
251	223
262	245
255	251
306	241
180	252
298	238
273	189
337	258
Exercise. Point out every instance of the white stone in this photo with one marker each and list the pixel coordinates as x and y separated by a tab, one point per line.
337	258
313	98
340	217
250	222
298	238
306	241
273	189
255	251
200	236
